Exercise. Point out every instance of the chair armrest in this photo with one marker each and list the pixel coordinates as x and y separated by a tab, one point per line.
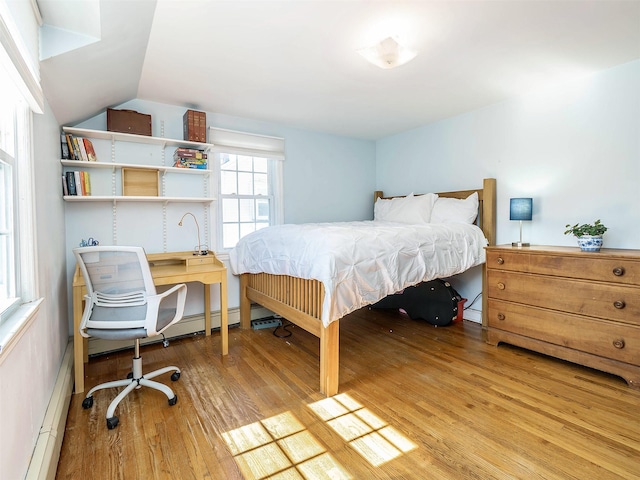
154	302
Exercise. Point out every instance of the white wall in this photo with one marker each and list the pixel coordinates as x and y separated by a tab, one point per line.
575	149
28	372
326	178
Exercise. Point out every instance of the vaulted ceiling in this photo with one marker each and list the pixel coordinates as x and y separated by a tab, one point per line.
295	62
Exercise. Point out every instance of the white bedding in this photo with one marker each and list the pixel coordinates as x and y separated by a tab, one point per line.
360	263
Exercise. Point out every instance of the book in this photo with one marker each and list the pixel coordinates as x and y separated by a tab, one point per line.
78	181
86	183
71	183
83	151
64	147
188	153
76	148
91	153
70	143
65	188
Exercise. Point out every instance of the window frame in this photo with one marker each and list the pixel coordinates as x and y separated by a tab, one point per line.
233	142
21	96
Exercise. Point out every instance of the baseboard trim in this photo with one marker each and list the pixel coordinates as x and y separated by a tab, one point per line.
473	315
189	325
44	461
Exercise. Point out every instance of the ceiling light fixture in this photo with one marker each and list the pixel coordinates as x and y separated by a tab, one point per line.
388	53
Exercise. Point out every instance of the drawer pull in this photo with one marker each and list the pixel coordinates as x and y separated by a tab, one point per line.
500	260
619	343
501	316
619	304
500	286
618	271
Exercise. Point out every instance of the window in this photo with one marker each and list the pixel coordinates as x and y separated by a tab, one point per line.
249	170
17	265
245	196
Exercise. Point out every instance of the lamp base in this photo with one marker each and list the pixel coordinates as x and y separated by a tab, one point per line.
520	244
201	252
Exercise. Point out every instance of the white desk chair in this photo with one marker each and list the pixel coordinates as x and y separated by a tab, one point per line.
122	304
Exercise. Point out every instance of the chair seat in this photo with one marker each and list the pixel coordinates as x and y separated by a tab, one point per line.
165	315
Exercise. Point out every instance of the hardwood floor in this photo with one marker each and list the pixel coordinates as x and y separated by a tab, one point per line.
415	401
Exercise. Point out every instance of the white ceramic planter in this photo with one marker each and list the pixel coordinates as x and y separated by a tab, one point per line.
590	243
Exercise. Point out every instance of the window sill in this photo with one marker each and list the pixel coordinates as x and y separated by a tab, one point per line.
16	325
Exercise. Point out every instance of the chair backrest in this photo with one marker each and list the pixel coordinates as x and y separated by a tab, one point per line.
115	270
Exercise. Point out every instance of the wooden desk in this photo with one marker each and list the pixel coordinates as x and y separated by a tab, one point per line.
166	269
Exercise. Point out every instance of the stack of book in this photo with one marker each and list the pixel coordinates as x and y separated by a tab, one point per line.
189	158
195	126
77	148
76	183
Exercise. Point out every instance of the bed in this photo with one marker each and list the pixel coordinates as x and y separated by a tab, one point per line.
311	300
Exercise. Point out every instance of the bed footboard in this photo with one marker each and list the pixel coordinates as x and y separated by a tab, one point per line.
299	301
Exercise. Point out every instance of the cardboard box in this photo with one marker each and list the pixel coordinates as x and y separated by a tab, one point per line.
195	126
128	121
140	182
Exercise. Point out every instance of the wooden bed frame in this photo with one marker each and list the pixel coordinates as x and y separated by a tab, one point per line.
300	301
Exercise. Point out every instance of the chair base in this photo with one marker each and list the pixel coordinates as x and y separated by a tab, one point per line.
134	381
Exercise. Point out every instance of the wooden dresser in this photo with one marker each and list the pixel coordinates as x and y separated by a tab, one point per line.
583	307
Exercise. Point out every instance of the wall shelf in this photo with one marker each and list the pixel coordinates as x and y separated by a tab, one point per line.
131	138
172	180
82	164
131	198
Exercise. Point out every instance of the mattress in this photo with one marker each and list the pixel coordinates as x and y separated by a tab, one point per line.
359	263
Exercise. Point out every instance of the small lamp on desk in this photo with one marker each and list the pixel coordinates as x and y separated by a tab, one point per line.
521	209
198	250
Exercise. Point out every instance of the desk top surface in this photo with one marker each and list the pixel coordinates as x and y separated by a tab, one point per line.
177	267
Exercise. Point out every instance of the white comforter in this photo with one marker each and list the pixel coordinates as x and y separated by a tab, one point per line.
360	263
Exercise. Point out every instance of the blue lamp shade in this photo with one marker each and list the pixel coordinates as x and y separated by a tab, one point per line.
521	209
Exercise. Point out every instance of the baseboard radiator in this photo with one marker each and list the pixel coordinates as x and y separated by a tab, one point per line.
44	461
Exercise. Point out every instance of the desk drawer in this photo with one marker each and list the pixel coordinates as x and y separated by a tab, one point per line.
593	299
600	337
605	269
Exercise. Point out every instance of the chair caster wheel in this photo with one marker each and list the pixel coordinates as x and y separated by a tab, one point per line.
87	403
175	376
112	422
130	375
174	400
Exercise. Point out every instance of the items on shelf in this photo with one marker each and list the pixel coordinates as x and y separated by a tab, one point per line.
195	126
77	148
189	158
128	121
76	183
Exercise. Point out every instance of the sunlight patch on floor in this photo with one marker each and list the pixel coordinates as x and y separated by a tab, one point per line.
280	448
365	432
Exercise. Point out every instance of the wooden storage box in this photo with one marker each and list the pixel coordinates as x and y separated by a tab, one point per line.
128	121
195	126
140	182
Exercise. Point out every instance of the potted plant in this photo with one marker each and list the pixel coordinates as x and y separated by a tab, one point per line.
589	235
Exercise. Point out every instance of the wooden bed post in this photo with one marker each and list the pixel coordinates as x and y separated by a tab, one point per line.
245	303
330	358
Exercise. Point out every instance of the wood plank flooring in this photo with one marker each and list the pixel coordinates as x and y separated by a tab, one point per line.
415	401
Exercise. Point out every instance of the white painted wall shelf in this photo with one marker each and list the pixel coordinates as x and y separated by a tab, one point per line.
128	137
132	198
83	164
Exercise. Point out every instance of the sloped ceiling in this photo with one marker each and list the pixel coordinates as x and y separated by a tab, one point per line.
295	62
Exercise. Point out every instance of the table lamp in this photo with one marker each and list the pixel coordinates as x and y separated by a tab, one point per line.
521	209
199	249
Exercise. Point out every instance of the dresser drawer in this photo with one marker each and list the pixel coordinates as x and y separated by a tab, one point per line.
593	299
599	337
588	267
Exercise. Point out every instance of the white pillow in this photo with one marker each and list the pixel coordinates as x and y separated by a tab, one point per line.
413	209
455	210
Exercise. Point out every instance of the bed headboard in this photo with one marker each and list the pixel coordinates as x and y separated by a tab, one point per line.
486	206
